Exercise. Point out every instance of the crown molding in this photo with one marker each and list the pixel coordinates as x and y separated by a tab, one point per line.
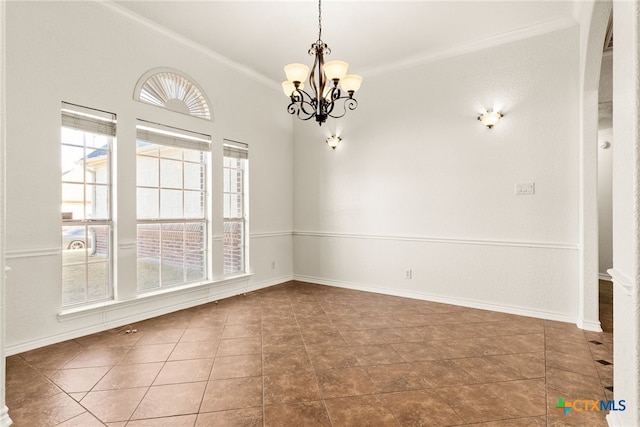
420	58
465	48
189	43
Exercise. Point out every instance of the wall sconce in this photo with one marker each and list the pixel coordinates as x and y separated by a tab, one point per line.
333	141
490	118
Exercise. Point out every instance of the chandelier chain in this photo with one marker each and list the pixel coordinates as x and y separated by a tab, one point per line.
319	20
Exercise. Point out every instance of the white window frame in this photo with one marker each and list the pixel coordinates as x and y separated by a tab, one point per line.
238	150
89	121
167	136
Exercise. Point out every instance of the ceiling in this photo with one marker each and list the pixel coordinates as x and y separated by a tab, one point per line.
371	35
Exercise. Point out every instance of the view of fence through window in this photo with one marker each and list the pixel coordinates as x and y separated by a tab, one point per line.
171	206
234	166
86	139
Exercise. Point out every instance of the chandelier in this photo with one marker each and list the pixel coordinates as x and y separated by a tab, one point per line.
330	84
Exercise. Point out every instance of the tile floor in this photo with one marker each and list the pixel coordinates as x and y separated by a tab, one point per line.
299	354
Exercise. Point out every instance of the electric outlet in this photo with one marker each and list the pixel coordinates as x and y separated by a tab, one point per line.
408	274
526	188
273	265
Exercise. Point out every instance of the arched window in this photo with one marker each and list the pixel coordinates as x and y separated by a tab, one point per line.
170	89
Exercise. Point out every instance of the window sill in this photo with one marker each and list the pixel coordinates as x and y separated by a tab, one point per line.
74	313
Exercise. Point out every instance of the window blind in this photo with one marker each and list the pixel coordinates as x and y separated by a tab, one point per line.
166	135
88	119
237	150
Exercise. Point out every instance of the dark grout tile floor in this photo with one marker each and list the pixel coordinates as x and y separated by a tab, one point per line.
300	354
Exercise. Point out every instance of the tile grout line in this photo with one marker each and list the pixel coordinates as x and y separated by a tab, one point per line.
264	416
301	307
154	378
212	365
313	368
544	356
593	360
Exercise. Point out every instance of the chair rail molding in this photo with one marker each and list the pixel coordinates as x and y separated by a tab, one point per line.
430	239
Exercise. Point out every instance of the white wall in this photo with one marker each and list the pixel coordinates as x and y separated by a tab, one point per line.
4	411
626	212
86	53
605	163
605	210
605	85
419	184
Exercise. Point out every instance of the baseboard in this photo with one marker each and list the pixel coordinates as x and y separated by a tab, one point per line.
589	325
482	305
214	294
613	419
250	288
5	421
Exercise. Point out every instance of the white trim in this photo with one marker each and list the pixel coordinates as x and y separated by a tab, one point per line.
189	43
578	10
424	239
613	419
152	296
250	288
622	280
464	302
31	253
425	57
605	276
465	48
5	421
54	251
207	114
271	234
127	245
141	311
589	325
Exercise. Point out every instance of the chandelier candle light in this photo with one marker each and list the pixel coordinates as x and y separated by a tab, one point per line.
329	83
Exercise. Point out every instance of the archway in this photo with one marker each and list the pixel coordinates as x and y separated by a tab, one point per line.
593	31
626	193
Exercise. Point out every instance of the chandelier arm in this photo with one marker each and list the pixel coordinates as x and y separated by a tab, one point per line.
328	106
335	93
302	105
349	104
295	108
329	101
307	101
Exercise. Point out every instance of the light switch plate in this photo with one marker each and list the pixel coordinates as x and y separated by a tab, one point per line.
528	188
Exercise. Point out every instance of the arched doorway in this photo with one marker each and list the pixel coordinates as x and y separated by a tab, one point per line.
626	191
595	18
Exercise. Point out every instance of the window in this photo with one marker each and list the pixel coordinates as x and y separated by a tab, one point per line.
86	144
171	206
170	89
235	206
